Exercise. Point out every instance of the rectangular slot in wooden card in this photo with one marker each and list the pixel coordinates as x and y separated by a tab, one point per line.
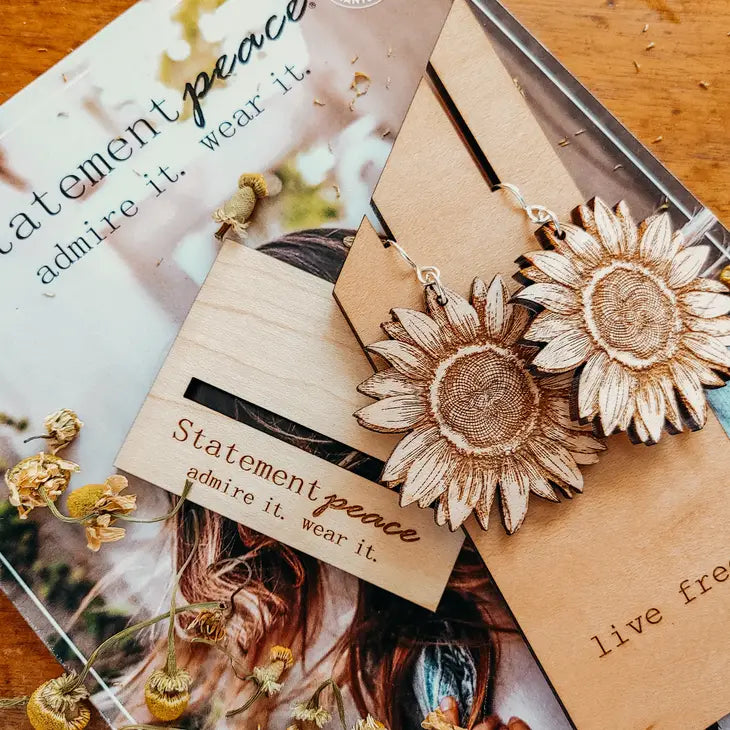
619	587
268	334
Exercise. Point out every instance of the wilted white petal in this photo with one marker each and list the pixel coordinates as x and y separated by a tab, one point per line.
629	234
389	382
656	241
423	331
565	352
409	448
580	243
687	265
514	490
394	414
558	461
589	386
548	325
461	316
426	477
651	407
496	312
707	347
608	227
555	297
613	395
706	304
690	390
407	359
556	266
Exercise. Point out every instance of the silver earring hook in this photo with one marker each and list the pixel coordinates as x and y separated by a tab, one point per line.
429	276
538	214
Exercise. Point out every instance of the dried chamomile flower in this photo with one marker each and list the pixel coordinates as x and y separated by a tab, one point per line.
436	720
369	723
167	693
267	677
40	472
210	625
102	502
725	276
62	428
317	716
59	704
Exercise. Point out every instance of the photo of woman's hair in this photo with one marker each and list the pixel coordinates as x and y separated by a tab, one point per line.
391	658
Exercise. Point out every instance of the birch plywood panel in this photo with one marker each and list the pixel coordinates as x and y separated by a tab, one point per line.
628	579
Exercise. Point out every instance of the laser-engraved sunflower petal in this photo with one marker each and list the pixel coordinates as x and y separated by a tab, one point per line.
717	327
706	304
555	297
423	331
558	461
396	331
427	475
479	298
581	243
408	449
708	348
629	235
389	382
590	382
394	414
687	266
641	430
587	220
690	390
514	490
407	359
462	496
709	285
613	395
561	381
585	459
518	321
438	489
575	441
556	266
537	480
490	479
656	242
672	407
565	352
436	310
496	313
548	325
652	408
440	512
607	227
461	316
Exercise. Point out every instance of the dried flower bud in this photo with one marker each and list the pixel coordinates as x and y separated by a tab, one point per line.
280	660
316	716
167	695
369	723
210	625
725	276
62	428
27	477
436	720
104	501
59	705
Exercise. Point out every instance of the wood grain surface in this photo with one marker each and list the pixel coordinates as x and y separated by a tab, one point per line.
597	40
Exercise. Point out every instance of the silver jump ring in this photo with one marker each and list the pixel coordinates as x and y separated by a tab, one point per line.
538	214
429	276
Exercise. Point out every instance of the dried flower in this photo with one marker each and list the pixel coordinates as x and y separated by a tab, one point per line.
27	477
167	694
62	428
104	502
210	625
436	720
725	276
59	705
318	716
267	677
369	723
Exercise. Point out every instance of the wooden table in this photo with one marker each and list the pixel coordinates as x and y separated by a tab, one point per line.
680	93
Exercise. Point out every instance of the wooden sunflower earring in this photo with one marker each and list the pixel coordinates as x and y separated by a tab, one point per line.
477	422
625	308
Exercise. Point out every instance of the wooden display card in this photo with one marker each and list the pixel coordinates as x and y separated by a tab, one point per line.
273	337
624	592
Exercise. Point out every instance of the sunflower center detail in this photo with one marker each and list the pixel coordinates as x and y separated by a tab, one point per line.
632	314
484	400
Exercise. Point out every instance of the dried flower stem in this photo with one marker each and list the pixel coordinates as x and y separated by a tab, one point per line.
116	515
337	693
7	703
249	702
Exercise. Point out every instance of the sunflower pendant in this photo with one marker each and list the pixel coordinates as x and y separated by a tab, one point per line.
477	421
626	306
